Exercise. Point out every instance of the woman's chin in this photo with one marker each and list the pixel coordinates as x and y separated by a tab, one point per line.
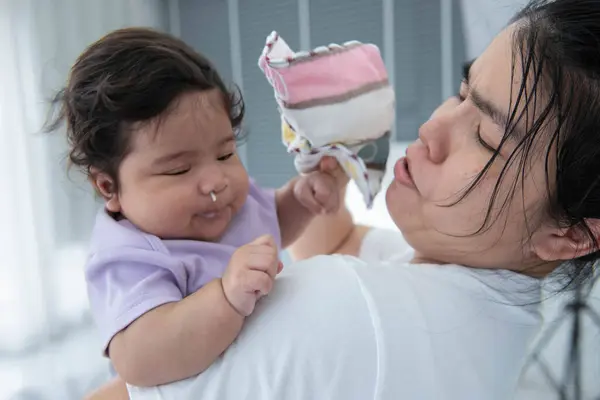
397	206
389	195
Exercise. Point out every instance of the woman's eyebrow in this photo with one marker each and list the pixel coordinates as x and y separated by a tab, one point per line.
488	108
498	116
485	106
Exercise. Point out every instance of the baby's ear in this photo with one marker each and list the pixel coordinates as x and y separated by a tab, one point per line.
106	187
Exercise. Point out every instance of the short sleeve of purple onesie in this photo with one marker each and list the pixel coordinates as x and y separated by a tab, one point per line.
130	272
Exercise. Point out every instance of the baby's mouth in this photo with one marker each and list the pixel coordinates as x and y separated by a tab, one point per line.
211	214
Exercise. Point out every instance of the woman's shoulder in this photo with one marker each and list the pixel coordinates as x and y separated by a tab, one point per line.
340	327
310	338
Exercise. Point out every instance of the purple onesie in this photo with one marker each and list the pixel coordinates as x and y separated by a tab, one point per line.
130	272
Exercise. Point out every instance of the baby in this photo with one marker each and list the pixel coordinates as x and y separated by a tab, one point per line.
186	243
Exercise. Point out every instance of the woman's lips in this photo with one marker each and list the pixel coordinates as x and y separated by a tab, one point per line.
402	173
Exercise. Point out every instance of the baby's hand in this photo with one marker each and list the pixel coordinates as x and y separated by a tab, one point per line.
318	191
251	273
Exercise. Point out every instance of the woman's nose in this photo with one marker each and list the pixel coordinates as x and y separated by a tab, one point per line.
435	135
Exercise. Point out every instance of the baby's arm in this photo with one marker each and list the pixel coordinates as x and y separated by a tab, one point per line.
317	193
176	340
167	338
334	233
292	215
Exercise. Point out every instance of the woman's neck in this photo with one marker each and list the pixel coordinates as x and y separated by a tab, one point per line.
538	269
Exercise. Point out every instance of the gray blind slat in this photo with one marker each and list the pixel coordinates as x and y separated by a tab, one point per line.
338	21
459	48
418	61
268	162
418	58
205	26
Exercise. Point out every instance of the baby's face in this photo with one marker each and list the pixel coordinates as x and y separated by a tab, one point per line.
175	163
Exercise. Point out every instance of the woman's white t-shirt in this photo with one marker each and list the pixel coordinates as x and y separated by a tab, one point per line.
338	327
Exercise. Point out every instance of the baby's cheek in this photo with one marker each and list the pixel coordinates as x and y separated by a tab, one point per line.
241	188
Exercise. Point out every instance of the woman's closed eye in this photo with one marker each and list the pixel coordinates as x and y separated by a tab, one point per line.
478	136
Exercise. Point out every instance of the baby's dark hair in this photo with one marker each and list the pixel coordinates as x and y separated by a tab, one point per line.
130	75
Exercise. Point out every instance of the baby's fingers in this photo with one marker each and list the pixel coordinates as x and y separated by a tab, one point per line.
258	282
305	194
264	240
328	164
325	193
265	261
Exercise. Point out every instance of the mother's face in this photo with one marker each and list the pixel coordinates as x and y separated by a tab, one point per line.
452	149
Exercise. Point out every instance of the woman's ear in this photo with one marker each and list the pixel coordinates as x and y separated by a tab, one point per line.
106	187
569	243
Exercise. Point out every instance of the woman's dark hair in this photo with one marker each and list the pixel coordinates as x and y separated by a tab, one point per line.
557	49
130	75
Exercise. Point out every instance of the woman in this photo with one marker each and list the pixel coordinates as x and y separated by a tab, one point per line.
500	189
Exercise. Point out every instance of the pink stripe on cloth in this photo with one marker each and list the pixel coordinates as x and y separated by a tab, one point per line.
327	75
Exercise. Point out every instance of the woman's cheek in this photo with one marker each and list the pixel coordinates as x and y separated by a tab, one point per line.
477	169
471	173
483	183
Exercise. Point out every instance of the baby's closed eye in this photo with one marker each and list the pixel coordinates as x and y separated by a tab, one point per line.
225	157
177	171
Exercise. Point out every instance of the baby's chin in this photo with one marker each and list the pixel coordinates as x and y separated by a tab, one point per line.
204	238
202	235
212	237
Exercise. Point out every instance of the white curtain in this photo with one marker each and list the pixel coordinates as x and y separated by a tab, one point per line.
21	310
45	213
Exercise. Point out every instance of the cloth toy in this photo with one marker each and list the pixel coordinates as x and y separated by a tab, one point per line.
335	101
